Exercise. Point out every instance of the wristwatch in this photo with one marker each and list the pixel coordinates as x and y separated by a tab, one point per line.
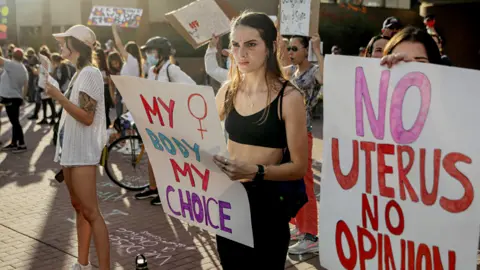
260	173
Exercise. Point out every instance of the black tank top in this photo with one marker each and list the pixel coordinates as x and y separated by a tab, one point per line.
252	130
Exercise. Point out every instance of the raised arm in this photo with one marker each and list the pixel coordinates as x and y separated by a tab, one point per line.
211	65
317	51
118	42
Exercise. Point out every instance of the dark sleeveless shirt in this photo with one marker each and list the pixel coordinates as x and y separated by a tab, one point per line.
254	130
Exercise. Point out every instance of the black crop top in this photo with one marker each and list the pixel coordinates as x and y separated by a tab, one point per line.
253	130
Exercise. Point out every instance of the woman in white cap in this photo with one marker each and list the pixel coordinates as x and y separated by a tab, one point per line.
82	136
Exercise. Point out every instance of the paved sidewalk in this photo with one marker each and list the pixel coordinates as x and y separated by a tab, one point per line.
37	229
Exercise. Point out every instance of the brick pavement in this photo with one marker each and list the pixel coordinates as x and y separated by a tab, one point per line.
37	228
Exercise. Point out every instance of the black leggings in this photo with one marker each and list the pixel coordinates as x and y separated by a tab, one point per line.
271	233
48	101
12	106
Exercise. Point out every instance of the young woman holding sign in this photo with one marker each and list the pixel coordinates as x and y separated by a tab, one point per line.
82	136
159	54
411	44
265	120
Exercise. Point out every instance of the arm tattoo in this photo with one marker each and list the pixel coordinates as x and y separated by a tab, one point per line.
87	103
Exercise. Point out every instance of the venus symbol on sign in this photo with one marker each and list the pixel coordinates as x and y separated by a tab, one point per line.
199	118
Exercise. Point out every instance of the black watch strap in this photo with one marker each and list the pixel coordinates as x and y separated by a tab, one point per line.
260	173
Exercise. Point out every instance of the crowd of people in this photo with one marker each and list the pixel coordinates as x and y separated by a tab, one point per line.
268	95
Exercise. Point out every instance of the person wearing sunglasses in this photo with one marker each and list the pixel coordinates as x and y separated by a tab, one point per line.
307	77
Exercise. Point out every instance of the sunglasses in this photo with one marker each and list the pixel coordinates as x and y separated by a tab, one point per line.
292	48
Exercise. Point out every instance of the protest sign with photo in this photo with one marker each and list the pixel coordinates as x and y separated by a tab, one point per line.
299	17
197	21
400	166
181	131
124	17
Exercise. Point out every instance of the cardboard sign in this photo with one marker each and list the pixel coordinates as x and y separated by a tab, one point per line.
124	17
299	17
197	21
400	171
181	130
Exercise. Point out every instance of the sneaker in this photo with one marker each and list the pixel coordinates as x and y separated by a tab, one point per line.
20	149
147	193
303	246
78	266
296	235
9	147
43	122
156	201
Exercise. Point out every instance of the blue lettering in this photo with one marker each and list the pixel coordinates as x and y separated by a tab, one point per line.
195	149
167	144
181	147
155	140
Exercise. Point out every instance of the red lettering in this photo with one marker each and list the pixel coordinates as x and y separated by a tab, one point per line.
169	109
462	204
404	183
401	219
423	254
368	148
389	259
342	229
402	248
346	181
430	198
205	177
383	169
156	110
367	211
380	251
437	261
186	170
363	254
411	255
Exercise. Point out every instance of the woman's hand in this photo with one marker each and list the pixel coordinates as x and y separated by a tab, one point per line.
235	170
394	58
213	42
52	91
316	41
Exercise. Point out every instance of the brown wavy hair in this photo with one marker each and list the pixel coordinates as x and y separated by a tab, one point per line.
268	32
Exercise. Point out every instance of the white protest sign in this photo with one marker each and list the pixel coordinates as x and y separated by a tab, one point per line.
197	21
124	17
181	130
400	169
299	17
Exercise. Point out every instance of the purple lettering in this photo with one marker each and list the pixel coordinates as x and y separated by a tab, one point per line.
186	205
207	208
377	125
399	134
222	216
171	189
196	201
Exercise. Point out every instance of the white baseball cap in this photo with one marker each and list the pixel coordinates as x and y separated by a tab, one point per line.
80	32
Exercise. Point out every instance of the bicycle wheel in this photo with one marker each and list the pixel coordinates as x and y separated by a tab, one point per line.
126	163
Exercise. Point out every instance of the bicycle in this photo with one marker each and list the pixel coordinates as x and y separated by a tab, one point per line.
127	149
